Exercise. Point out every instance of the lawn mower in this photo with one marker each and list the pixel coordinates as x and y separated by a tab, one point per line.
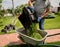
10	27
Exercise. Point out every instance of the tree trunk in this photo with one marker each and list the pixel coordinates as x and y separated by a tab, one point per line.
13	7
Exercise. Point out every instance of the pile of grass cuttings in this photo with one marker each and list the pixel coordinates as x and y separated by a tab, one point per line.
33	32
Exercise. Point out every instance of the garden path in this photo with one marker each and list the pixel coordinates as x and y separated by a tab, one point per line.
13	38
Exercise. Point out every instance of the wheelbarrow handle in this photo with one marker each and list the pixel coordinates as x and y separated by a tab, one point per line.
53	34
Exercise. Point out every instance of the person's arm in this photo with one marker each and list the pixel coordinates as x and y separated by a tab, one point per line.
45	13
29	3
47	8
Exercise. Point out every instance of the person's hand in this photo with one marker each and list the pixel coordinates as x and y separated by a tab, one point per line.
39	18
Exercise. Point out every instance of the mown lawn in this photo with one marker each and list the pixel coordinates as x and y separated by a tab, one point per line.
8	20
49	23
53	23
55	43
52	44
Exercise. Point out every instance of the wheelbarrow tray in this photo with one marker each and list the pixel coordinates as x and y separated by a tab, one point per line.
31	40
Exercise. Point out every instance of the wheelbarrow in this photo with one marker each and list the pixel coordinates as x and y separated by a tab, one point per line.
29	40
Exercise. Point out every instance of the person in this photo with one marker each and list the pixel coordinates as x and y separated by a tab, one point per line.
42	9
31	8
30	4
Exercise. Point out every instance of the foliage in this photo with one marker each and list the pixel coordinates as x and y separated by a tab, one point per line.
0	7
58	13
33	32
9	10
2	12
0	4
19	8
16	11
0	1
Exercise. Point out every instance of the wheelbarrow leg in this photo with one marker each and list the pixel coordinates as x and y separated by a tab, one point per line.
43	42
28	45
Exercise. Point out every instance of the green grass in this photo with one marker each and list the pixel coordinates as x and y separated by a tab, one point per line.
55	43
25	45
52	44
52	23
33	32
49	23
